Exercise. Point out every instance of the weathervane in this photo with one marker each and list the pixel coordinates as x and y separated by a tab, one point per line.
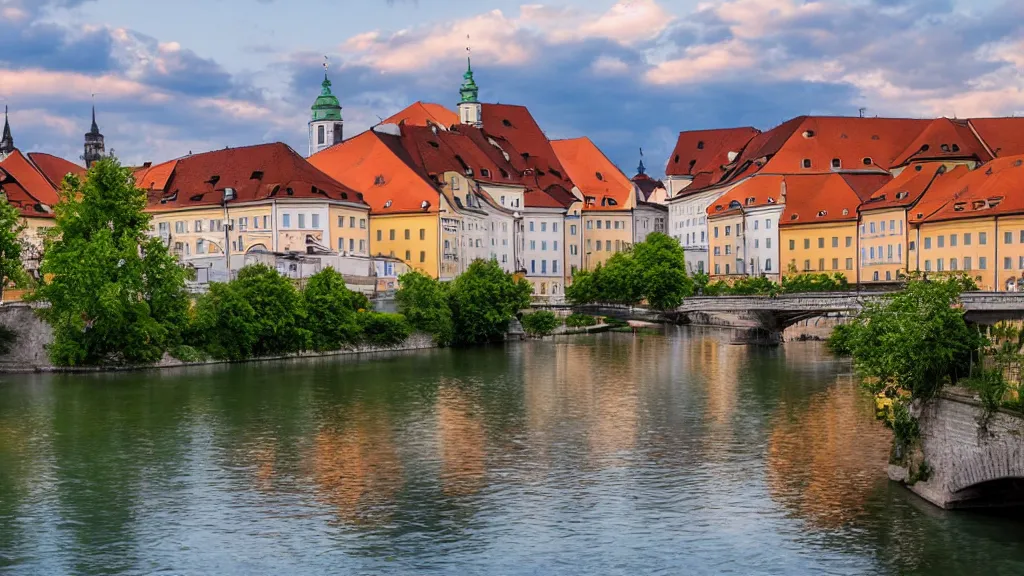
327	64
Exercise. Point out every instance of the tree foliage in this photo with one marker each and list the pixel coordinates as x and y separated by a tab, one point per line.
330	311
483	300
224	323
280	316
114	294
540	323
12	225
380	329
653	270
424	303
812	282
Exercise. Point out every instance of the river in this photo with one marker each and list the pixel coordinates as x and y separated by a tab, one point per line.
671	453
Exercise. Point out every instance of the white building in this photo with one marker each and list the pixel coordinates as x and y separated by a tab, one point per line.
544	249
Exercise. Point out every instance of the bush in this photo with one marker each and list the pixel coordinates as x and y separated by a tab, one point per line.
381	329
187	353
424	303
540	323
580	321
330	311
279	313
653	270
840	342
814	283
223	323
483	300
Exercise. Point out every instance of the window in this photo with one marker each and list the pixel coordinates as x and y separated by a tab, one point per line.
379	235
341	221
728	249
533	244
807	243
543	226
967	238
286	221
871	227
554	266
927	265
423	256
716	231
543	266
967	263
952	239
341	244
942	241
806	163
266	222
928	243
319	134
718	250
198	225
316	220
835	241
362	223
598	224
554	226
179	227
391	234
849	241
821	242
768	223
849	263
889	252
302	221
982	239
717	270
572	230
555	246
608	224
952	264
982	263
767	242
726	269
939	265
807	265
1007	237
792	244
835	263
543	245
871	253
875	276
408	256
533	266
757	243
351	245
608	245
531	225
408	234
728	230
837	163
1007	263
768	264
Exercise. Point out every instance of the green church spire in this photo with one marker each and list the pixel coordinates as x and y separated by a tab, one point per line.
469	89
326	106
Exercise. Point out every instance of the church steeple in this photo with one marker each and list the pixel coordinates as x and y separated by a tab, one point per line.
6	141
94	146
325	127
470	110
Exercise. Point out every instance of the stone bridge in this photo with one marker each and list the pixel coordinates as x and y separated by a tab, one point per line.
971	461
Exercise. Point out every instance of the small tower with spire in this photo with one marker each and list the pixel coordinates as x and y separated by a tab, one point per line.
641	170
470	110
94	147
325	127
6	141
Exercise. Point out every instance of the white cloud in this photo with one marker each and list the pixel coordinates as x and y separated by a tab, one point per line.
609	66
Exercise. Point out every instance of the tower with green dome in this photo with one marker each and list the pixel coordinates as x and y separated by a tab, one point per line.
325	127
470	110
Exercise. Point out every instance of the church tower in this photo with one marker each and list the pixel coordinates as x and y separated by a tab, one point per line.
6	141
325	129
94	148
470	110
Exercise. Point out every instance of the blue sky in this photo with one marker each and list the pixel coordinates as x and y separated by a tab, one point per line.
195	75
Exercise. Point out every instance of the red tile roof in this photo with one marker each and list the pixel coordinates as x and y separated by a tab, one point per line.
26	187
647	185
1003	136
154	177
866	184
943	189
516	126
990	190
380	167
761	190
55	168
595	175
260	172
906	188
460	151
943	139
818	199
424	114
699	151
858	144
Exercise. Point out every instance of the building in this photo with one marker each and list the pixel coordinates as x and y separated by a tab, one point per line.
699	155
94	146
424	114
744	228
325	125
214	208
6	140
818	230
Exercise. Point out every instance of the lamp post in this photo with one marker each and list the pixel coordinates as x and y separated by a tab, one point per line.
228	194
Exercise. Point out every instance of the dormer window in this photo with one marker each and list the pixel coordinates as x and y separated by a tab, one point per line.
613	202
978	205
485	172
956	148
599	176
794	216
675	160
959	206
734	204
902	194
505	122
822	213
837	163
846	212
750	201
806	163
387	204
809	134
944	147
434	144
718	207
700	145
868	161
994	201
925	147
378	180
256	175
771	200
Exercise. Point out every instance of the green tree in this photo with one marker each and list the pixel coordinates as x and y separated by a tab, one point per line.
540	323
223	323
115	294
280	316
583	289
12	273
483	301
811	282
620	281
380	329
424	303
659	268
330	310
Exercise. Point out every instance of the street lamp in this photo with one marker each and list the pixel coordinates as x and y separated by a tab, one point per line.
228	194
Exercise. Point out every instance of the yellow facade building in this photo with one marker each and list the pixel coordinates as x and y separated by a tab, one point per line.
818	231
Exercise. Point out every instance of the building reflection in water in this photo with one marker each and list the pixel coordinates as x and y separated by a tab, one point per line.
461	441
823	457
355	465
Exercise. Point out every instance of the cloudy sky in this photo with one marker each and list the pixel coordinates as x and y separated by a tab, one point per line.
194	75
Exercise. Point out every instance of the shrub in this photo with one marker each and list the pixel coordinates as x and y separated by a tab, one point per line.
483	300
540	323
840	342
809	282
279	314
424	303
224	323
580	320
653	270
381	329
187	353
330	311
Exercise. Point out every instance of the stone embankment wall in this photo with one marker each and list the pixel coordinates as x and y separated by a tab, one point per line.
28	354
964	450
818	328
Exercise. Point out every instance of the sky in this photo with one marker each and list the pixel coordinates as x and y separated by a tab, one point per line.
169	78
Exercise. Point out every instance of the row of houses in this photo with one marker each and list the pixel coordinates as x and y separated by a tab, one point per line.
870	198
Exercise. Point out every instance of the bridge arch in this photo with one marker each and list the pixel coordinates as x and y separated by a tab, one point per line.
995	462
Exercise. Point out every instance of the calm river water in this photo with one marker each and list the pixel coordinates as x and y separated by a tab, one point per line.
655	454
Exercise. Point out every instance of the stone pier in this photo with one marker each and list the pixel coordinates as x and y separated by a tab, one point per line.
972	459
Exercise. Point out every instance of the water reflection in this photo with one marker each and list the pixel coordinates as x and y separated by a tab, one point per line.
667	453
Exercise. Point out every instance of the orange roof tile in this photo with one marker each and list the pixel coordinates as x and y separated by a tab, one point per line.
906	188
942	191
594	174
858	144
990	190
1003	136
26	186
943	139
379	166
866	184
424	114
818	199
154	177
647	185
55	168
515	126
761	190
258	172
699	151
